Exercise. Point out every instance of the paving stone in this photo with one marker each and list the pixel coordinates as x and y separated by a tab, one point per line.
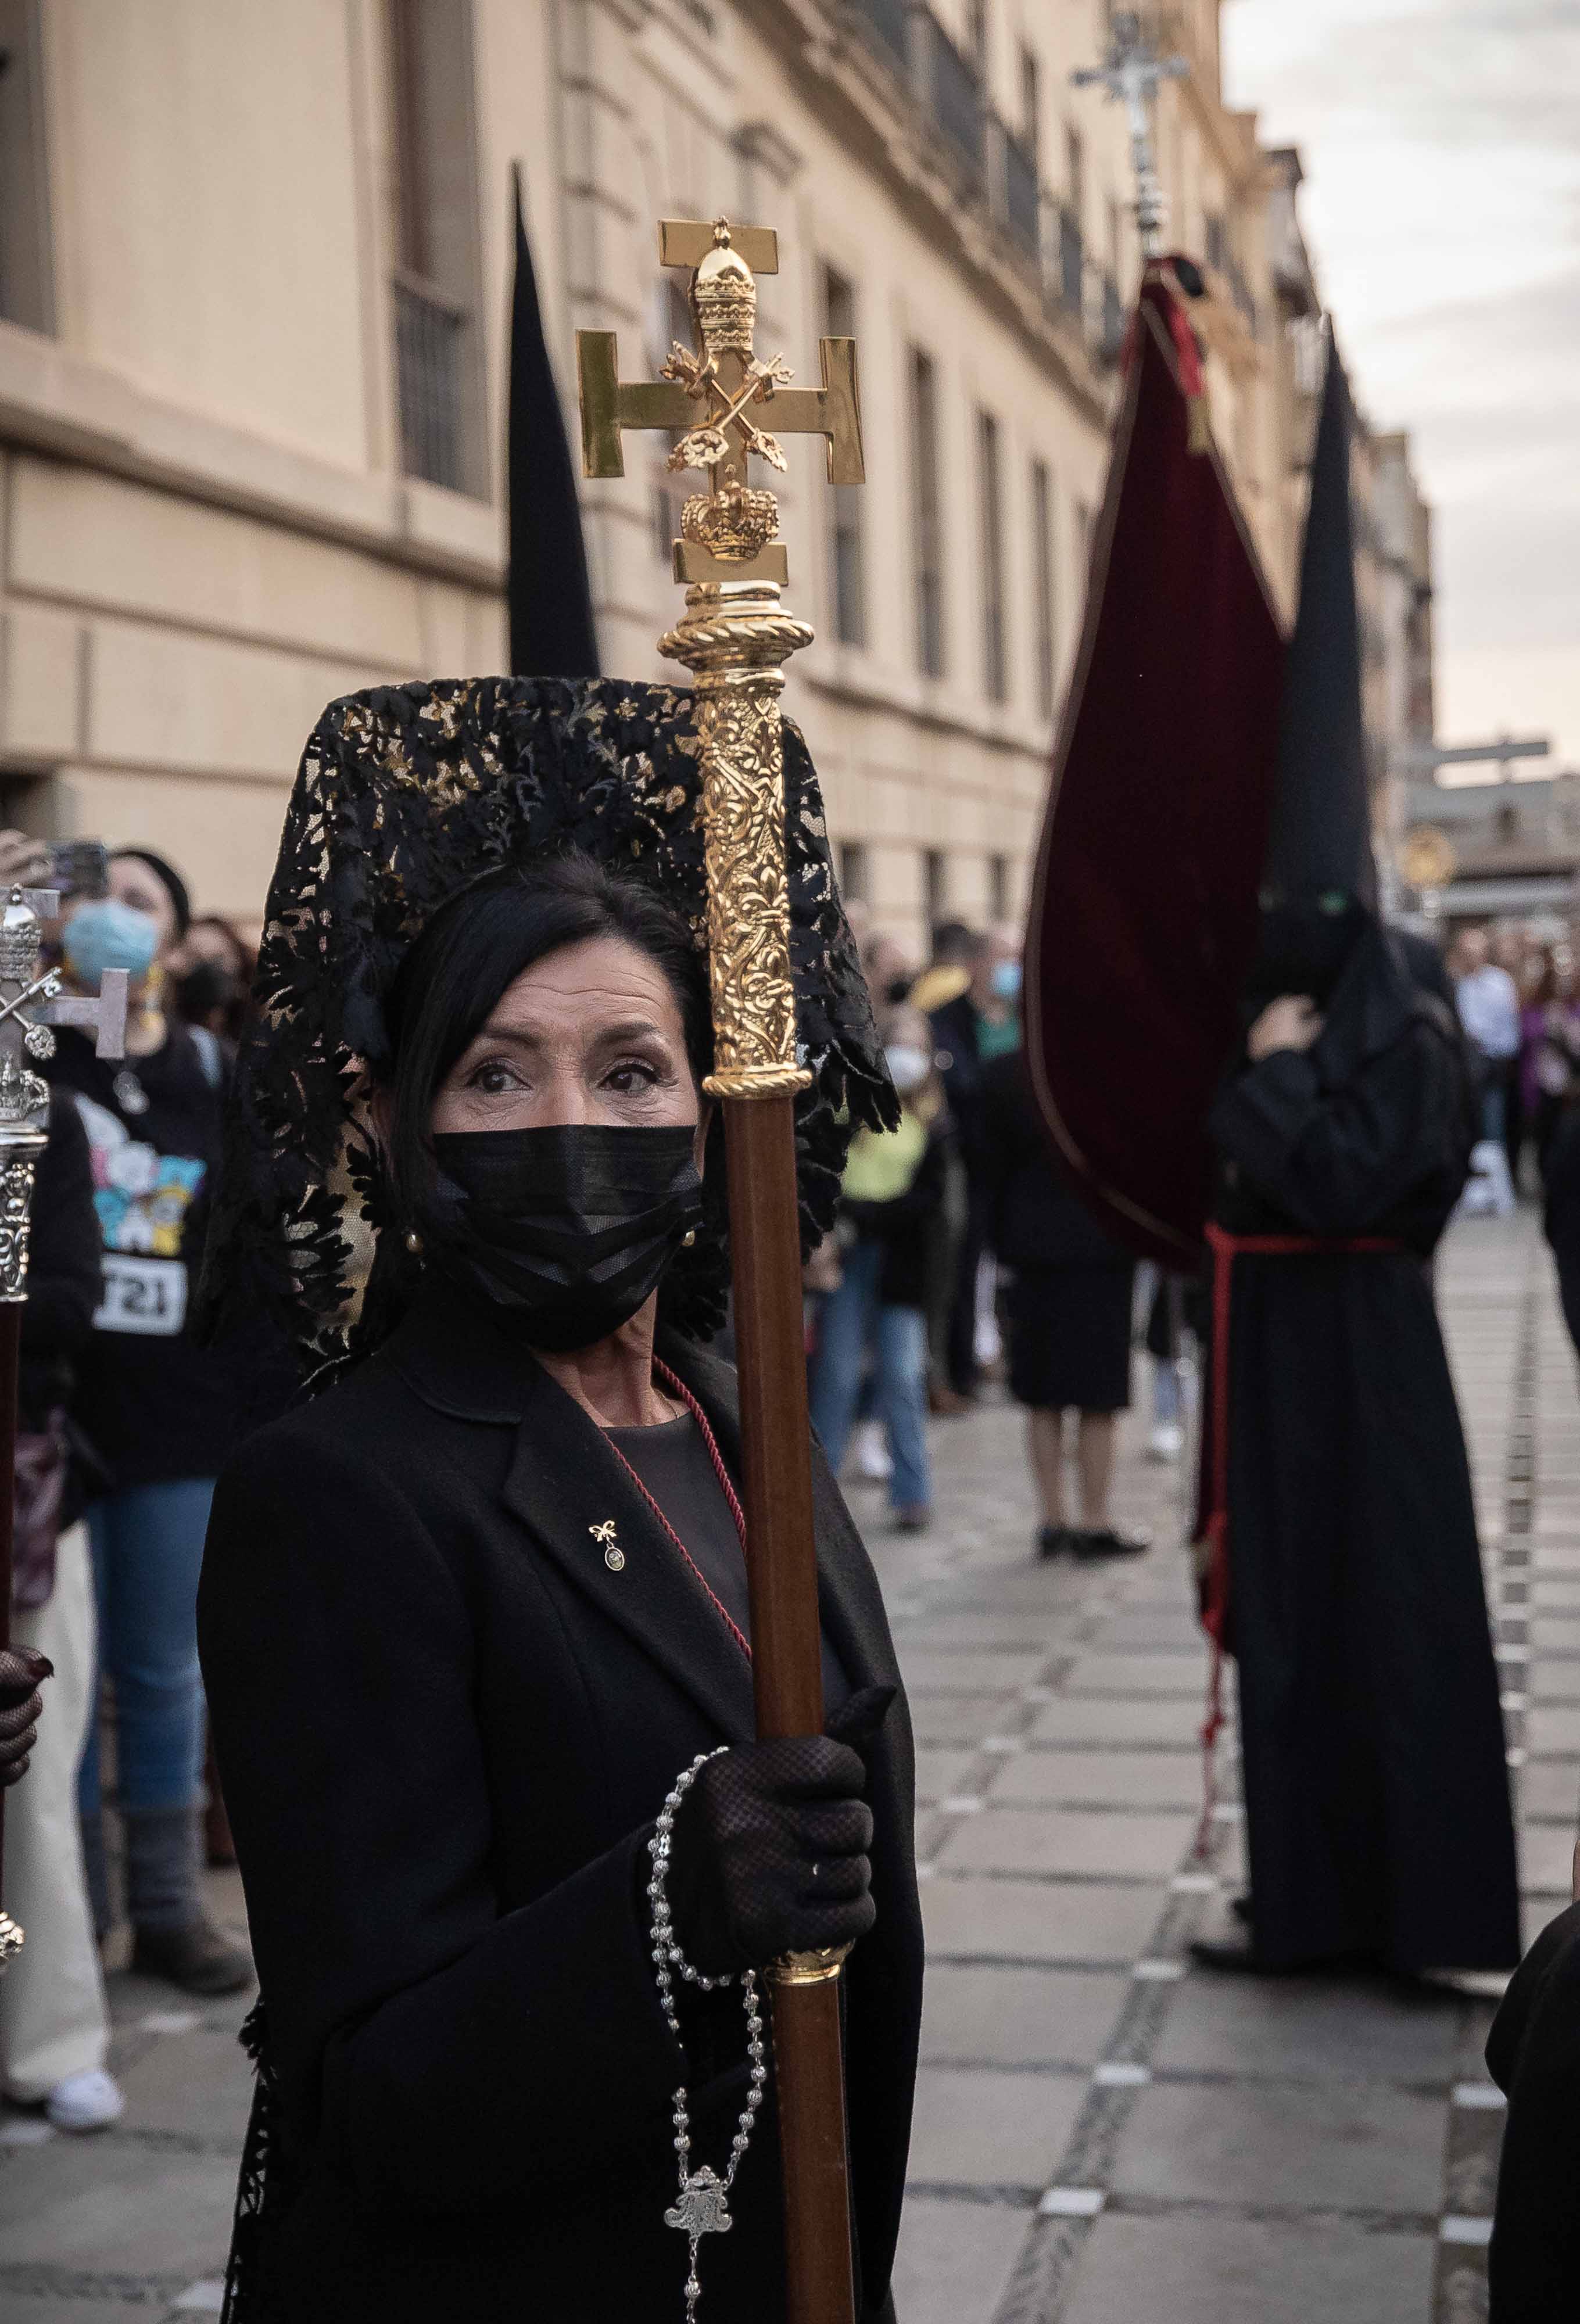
969	1674
1031	1840
1553	1726
200	2083
954	2260
1555	1594
1547	1860
112	2205
1324	2026
1547	1787
1094	1719
974	2127
940	1773
1218	2271
1150	1779
1153	1675
1020	2017
1332	2145
26	2306
955	1718
1038	1920
989	1633
1153	1628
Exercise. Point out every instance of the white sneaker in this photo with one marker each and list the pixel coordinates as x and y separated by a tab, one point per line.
1167	1441
872	1452
88	2101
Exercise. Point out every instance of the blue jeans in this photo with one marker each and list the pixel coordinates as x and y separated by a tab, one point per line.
147	1549
851	1321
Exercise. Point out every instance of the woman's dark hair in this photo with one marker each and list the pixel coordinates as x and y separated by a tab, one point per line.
479	943
169	880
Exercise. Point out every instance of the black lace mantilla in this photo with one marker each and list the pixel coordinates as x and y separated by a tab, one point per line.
406	795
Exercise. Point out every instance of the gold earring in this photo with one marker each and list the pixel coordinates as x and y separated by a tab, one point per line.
688	1238
414	1242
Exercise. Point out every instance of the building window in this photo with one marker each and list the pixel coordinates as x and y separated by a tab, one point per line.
998	888
935	874
927	515
436	286
848	587
26	271
1042	605
854	875
990	491
1030	104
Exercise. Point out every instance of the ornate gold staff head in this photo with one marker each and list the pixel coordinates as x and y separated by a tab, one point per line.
736	637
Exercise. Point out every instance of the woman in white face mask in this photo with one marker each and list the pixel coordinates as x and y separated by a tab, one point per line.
894	1189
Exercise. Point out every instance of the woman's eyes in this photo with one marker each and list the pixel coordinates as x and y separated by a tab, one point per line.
493	1077
630	1076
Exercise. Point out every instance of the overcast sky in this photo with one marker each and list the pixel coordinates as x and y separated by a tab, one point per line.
1441	145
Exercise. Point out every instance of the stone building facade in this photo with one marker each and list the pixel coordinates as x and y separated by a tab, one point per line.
254	281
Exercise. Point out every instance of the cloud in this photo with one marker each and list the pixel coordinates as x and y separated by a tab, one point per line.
1441	143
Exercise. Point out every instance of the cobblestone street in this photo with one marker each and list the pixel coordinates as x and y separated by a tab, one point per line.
1101	2136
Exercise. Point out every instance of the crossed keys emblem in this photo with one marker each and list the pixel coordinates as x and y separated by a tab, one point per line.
708	445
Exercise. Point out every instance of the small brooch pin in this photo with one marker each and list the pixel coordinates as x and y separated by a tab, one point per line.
614	1555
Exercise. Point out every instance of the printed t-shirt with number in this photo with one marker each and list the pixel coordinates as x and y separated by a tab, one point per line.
153	1403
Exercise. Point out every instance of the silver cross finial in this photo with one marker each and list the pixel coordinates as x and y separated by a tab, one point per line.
30	1004
1133	75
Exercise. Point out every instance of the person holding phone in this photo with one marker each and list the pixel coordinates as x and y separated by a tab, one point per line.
159	1411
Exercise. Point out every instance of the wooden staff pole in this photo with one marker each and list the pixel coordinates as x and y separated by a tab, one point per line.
736	638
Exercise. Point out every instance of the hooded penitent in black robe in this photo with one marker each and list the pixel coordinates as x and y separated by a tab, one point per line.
1376	1790
1533	2269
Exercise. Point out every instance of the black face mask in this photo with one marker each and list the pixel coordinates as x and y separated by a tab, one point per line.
567	1230
204	990
1302	947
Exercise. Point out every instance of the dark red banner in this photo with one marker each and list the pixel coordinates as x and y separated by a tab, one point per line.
1143	910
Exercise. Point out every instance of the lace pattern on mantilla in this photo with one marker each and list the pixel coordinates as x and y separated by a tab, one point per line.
406	795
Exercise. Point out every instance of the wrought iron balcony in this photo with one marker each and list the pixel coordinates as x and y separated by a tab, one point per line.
951	91
1072	262
1111	322
1022	200
889	22
429	346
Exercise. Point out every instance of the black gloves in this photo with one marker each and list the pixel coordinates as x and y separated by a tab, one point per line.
768	1854
21	1670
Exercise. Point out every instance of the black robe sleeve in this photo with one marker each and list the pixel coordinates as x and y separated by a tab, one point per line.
1336	1159
443	2054
1533	2053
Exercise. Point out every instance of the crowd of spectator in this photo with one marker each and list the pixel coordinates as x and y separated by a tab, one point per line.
124	1422
961	1252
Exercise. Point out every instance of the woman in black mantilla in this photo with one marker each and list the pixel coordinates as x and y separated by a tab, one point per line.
469	1614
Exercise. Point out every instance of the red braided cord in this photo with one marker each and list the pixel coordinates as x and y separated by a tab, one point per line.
723	1474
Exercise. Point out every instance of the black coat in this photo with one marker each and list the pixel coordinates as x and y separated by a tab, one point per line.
1036	1219
1533	2269
906	1227
1376	1790
444	1728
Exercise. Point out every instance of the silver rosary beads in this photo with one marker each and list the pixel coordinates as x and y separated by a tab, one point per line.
702	2205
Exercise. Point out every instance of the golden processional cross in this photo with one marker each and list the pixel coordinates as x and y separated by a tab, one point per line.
728	407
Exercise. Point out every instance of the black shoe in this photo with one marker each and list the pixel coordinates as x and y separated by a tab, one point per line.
1095	1541
1233	1956
1052	1541
195	1957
